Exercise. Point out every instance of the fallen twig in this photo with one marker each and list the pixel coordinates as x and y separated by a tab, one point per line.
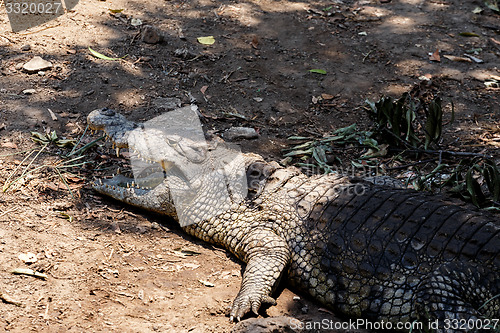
29	272
7	299
442	152
8	211
10	40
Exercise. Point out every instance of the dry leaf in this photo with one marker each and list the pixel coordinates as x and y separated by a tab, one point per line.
459	59
435	56
52	186
327	96
203	89
495	42
255	42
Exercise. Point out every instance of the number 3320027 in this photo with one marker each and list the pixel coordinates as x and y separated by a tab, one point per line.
33	8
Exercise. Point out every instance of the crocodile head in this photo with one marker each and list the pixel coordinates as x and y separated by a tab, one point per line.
170	155
155	148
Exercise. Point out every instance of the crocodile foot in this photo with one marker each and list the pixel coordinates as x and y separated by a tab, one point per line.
244	303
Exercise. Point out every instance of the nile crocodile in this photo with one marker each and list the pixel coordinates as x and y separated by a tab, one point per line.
363	250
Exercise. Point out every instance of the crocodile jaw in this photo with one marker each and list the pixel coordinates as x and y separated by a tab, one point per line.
115	126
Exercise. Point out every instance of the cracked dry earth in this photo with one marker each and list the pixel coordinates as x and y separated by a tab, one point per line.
112	268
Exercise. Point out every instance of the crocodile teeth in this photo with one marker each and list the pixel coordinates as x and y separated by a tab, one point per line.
118	172
128	185
117	152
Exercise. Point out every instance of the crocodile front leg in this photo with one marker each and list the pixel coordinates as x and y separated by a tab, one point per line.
268	255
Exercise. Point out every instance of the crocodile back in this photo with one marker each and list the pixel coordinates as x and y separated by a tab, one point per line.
367	251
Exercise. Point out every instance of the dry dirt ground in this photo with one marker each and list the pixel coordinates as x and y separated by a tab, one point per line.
113	268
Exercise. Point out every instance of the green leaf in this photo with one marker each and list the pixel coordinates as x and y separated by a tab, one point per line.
319	155
371	105
370	143
102	56
492	4
474	189
208	40
346	130
53	136
305	145
332	138
469	34
115	11
67	216
477	10
298	152
357	165
492	177
318	71
39	137
298	138
434	122
65	143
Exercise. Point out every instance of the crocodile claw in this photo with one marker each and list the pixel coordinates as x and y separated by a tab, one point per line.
243	304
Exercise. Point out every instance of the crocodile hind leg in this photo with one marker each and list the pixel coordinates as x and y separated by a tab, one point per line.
452	298
267	258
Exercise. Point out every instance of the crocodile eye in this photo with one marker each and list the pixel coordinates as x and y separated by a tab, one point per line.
108	112
172	140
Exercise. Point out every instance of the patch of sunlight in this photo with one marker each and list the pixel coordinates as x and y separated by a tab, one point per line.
412	67
283	6
130	98
416	3
242	12
395	89
401	21
375	11
481	74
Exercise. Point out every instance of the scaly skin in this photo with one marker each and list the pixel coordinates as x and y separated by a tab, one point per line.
361	249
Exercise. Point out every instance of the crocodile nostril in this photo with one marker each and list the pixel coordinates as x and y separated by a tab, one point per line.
108	112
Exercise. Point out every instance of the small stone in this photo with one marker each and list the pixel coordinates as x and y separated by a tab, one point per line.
26	47
29	91
36	65
135	22
237	133
151	35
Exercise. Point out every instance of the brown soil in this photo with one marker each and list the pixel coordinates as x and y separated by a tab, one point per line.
111	267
